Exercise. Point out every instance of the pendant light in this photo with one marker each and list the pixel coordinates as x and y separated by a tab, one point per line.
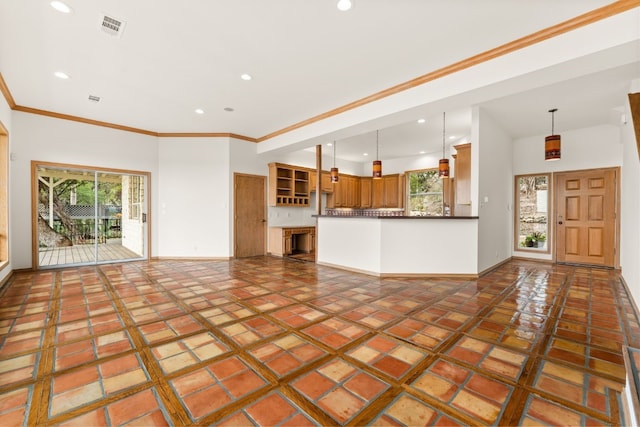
552	142
443	165
377	164
334	170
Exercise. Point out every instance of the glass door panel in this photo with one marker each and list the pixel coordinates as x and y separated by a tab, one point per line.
81	216
121	217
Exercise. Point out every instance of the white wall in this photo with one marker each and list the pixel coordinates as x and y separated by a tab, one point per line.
630	207
46	139
399	246
193	197
495	191
587	148
429	246
352	243
401	165
5	119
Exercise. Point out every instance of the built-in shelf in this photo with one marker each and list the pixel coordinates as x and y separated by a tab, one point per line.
288	186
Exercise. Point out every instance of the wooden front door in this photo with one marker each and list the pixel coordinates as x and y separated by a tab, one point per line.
250	209
586	221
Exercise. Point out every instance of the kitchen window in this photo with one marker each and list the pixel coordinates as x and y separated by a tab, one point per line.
425	193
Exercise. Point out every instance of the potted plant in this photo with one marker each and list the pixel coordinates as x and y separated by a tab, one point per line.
528	241
538	238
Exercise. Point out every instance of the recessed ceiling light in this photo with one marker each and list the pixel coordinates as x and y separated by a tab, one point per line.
61	75
61	7
199	111
452	137
228	109
246	77
329	144
344	5
365	154
421	120
423	152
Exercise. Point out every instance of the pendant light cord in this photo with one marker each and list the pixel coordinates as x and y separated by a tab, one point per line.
443	128
334	154
553	111
377	156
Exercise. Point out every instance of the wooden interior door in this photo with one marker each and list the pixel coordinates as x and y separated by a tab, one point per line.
250	210
586	217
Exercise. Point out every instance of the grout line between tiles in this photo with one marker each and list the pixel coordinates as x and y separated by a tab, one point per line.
173	406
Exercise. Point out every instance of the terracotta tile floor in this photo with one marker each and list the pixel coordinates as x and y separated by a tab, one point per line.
270	341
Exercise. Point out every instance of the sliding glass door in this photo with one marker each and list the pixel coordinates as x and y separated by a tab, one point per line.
88	216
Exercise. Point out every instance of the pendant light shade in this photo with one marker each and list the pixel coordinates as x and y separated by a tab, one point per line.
377	164
335	175
443	165
552	142
443	168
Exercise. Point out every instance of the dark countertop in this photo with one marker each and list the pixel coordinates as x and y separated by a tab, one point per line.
291	226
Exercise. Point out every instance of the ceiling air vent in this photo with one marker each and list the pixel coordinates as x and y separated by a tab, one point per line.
94	98
112	26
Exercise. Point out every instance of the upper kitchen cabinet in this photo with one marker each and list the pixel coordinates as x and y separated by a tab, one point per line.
325	182
391	185
288	186
365	192
388	192
462	170
346	192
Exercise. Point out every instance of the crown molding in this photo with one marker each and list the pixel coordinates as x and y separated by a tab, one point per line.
6	93
205	135
82	120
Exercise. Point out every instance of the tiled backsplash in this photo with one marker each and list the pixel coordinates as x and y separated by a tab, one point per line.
364	212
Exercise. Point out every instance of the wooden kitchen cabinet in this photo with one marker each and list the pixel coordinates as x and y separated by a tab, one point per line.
462	170
365	192
338	190
288	240
313	180
325	182
463	173
377	193
288	186
346	192
391	190
352	187
387	192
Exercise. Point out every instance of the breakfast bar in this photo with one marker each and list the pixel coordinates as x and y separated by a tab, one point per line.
399	245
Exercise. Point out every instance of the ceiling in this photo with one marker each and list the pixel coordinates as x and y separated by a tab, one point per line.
306	58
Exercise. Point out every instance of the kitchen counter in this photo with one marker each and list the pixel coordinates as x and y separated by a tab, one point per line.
399	245
395	216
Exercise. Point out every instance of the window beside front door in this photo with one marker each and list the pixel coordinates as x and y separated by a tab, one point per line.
532	212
